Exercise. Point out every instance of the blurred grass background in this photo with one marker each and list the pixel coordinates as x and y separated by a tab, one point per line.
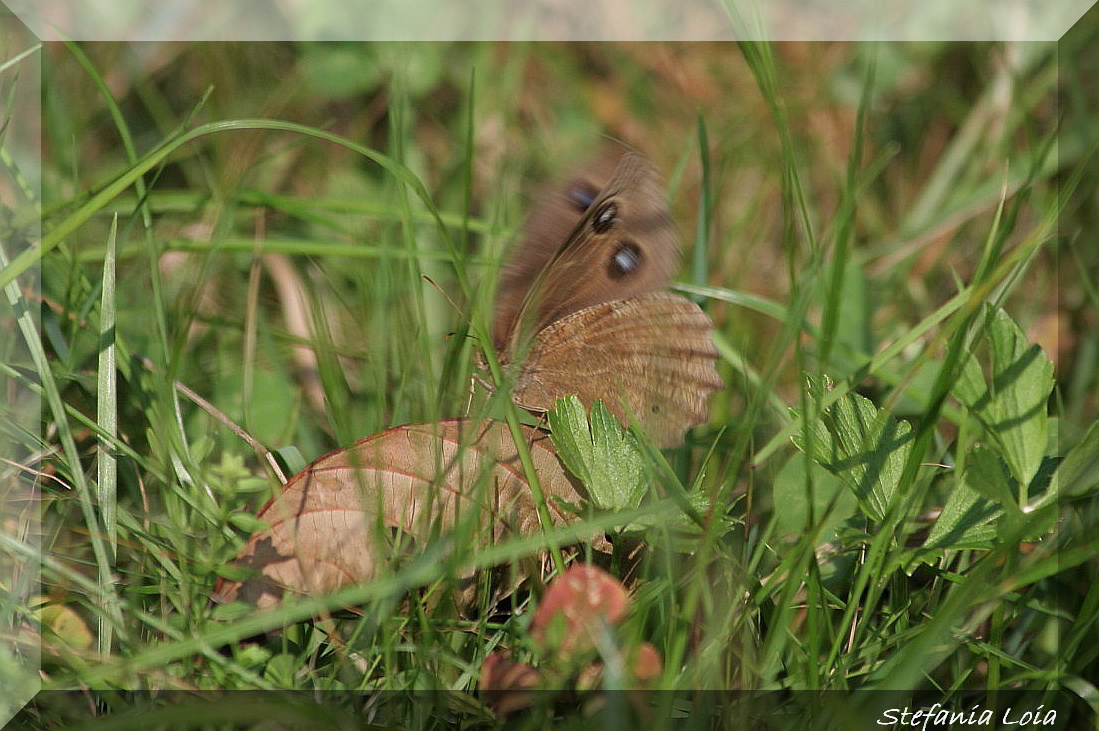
535	109
247	244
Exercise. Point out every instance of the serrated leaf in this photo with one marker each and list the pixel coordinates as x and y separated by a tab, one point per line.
680	532
984	507
601	454
864	446
282	670
1012	406
571	436
1016	525
966	521
249	655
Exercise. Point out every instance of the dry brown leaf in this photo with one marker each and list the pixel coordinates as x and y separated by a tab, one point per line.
334	522
66	623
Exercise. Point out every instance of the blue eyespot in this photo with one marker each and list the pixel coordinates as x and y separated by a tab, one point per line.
625	260
581	195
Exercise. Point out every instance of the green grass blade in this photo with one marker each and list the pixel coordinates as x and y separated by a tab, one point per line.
107	418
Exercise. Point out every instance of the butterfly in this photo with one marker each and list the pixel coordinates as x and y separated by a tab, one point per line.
582	308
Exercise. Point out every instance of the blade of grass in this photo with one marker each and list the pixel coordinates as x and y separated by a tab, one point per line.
700	271
107	418
64	433
156	156
845	227
420	572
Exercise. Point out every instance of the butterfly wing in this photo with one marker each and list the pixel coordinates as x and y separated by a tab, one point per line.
549	226
650	358
625	244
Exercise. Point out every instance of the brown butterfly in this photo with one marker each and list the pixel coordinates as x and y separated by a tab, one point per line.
581	307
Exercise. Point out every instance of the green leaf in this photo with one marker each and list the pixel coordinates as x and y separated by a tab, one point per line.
984	506
248	523
987	475
235	572
291	459
601	454
234	611
1012	405
978	499
679	531
283	670
864	446
571	436
1078	474
832	504
855	308
249	655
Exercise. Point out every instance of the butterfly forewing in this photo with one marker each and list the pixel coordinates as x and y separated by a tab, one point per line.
549	226
625	244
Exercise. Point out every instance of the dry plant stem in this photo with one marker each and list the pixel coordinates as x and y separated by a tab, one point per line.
299	319
38	456
251	312
535	482
226	421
